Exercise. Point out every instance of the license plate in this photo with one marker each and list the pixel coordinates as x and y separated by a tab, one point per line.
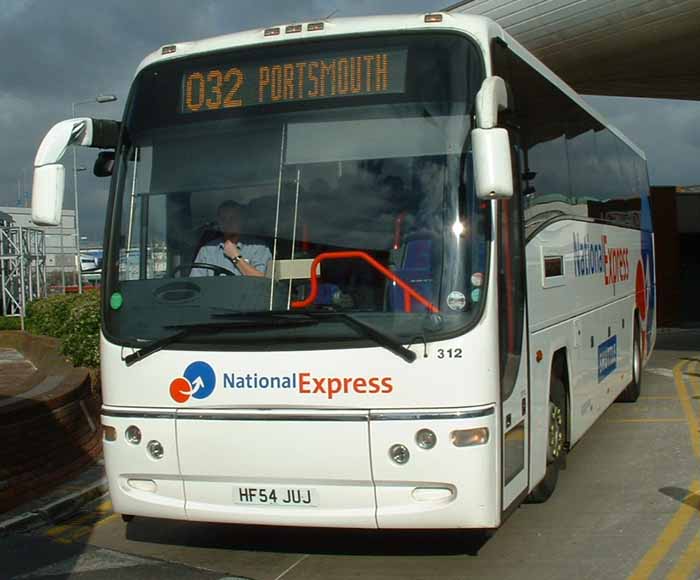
292	496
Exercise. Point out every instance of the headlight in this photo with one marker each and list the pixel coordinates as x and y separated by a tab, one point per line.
399	454
426	439
133	435
155	449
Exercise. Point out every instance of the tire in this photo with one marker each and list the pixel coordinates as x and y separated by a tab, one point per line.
556	442
633	390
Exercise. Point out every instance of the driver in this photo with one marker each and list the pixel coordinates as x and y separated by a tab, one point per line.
241	256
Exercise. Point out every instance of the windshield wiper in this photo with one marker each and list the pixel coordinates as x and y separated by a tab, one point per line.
381	338
256	320
388	341
243	321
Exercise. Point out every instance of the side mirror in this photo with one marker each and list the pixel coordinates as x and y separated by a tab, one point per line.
492	164
49	175
47	194
491	145
104	164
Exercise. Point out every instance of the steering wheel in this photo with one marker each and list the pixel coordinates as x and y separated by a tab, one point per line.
218	270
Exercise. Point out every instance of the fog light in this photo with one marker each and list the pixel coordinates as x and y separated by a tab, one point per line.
143	484
470	437
133	435
426	439
109	433
399	454
432	494
155	449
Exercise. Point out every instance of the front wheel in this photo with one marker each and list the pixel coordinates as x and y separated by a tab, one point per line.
556	442
633	390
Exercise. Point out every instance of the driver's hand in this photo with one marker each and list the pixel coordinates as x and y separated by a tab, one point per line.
231	249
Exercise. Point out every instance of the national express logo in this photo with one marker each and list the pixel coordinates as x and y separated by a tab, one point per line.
599	258
198	381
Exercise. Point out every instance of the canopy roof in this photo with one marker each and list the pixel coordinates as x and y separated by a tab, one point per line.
632	48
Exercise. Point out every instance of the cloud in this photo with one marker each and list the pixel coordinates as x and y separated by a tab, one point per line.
666	131
56	52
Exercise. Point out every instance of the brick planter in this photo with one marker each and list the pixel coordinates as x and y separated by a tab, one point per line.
49	421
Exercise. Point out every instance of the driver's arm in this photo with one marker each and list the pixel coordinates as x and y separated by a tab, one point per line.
253	265
248	270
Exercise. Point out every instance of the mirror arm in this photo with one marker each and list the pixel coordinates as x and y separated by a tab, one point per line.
105	133
490	100
83	131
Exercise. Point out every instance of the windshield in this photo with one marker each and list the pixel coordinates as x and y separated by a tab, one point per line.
333	176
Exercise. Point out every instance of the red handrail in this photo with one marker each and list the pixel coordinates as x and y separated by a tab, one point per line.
397	230
408	291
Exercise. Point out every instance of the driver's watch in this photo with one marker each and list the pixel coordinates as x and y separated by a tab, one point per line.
236	260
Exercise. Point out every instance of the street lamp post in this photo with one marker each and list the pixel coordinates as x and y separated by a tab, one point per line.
97	99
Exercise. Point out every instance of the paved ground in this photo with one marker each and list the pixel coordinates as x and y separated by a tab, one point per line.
624	508
14	369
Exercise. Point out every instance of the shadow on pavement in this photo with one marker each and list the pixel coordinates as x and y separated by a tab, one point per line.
317	541
682	495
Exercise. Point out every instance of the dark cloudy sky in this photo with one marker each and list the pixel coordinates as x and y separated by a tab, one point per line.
56	52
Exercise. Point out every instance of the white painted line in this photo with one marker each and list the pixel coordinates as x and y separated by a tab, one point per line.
659	371
75	495
20	519
101	559
299	561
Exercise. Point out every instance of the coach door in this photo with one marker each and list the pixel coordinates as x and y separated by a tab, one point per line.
513	356
515	400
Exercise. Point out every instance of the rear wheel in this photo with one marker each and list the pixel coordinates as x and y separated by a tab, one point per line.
633	390
556	442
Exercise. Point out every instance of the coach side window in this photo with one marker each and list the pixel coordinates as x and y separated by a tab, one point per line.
511	263
540	114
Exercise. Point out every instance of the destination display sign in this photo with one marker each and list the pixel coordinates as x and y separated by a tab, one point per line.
358	73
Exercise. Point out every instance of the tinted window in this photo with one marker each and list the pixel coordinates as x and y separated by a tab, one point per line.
571	164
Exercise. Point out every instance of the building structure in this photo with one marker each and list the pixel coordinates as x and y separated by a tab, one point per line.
22	266
61	262
676	211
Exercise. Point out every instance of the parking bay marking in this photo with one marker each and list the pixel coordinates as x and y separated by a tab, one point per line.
689	507
82	525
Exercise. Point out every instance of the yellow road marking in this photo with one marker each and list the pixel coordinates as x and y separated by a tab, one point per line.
693	378
81	531
690	506
670	420
687	407
659	397
105	506
687	562
58	530
669	536
81	525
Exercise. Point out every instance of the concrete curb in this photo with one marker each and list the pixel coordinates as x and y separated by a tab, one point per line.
55	511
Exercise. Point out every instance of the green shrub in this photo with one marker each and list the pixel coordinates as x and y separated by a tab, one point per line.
81	339
48	316
73	318
10	323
